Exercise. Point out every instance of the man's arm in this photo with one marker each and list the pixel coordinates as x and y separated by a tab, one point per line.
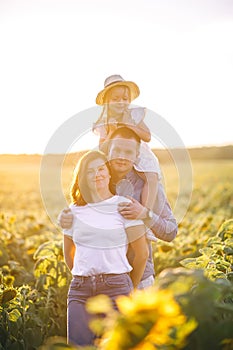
163	224
164	229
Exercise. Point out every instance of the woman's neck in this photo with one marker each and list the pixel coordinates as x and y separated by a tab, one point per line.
101	195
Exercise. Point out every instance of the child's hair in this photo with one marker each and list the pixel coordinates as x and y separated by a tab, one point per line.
102	120
109	91
79	182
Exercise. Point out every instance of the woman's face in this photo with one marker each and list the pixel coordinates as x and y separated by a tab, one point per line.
118	99
97	175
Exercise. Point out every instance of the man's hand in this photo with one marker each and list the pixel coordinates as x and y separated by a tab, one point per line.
65	218
133	210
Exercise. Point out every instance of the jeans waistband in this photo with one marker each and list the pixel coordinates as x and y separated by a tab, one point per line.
99	277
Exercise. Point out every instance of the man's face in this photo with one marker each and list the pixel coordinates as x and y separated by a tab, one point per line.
122	155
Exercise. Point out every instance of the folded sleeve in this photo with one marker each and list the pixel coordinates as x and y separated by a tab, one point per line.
138	114
130	223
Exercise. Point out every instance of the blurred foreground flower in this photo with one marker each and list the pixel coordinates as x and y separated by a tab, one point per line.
147	320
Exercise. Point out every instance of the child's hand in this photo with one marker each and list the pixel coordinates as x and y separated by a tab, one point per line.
127	118
111	127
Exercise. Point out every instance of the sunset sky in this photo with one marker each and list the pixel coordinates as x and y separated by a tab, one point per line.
55	55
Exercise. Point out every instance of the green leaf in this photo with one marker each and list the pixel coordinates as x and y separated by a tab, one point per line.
33	337
45	250
14	315
207	251
195	263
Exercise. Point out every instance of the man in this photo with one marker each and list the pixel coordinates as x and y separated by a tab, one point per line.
122	150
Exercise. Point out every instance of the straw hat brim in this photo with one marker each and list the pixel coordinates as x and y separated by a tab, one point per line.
134	91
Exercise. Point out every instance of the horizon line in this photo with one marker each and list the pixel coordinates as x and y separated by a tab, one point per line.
154	148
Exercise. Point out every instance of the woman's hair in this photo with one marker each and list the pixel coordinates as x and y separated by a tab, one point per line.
79	183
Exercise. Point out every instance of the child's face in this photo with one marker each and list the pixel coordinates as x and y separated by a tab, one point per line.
118	99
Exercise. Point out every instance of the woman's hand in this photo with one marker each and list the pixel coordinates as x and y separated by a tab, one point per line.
65	218
132	210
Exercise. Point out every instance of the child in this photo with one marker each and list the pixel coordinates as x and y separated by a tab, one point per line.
115	99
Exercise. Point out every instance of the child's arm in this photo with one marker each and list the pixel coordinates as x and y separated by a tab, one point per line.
142	131
139	128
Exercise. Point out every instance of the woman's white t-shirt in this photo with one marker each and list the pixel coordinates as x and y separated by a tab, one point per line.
98	232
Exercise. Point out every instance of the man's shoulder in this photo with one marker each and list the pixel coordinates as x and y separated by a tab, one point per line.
133	175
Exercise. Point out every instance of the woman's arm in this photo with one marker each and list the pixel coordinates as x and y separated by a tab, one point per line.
69	250
138	242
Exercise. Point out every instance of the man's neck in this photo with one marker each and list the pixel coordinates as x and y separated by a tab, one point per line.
117	177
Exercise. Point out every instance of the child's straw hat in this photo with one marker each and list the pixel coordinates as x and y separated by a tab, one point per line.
116	80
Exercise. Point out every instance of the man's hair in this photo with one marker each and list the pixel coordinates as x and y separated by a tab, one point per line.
125	133
121	133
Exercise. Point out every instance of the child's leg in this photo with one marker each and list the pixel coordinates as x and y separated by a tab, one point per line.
150	188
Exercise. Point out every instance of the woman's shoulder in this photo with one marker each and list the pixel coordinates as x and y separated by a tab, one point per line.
120	199
75	208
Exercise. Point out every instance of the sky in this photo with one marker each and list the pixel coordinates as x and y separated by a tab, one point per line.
56	54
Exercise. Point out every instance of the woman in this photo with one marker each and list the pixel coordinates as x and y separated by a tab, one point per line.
95	247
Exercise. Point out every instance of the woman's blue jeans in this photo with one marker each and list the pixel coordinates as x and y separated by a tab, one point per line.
82	288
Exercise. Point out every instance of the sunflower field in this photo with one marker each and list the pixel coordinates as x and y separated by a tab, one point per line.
190	305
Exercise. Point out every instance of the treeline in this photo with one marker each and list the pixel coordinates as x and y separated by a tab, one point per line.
197	153
164	155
